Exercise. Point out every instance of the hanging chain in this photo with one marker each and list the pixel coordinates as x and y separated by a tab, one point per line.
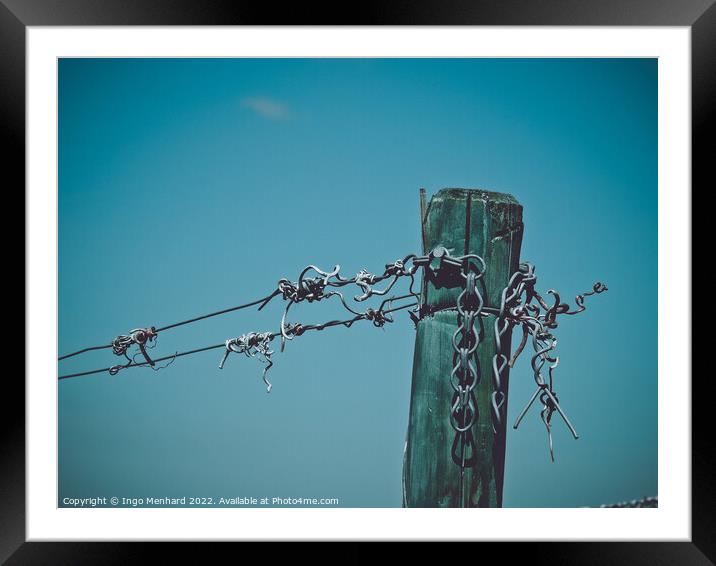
466	374
500	361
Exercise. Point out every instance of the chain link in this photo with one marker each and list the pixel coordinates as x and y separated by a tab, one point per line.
466	373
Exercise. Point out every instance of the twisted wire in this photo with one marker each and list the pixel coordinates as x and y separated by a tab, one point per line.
297	329
262	302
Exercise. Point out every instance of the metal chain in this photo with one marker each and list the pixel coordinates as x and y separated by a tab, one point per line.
520	281
466	373
500	361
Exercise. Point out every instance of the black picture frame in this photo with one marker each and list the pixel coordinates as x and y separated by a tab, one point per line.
16	15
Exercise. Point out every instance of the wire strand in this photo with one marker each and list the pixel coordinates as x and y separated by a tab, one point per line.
132	364
316	327
78	352
263	302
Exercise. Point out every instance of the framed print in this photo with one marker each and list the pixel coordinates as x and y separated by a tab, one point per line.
360	282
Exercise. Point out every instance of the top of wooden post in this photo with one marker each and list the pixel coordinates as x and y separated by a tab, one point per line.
491	198
477	194
473	221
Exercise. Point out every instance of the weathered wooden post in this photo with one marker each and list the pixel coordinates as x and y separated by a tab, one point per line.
463	221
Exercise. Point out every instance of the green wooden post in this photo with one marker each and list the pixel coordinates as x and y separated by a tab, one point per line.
490	225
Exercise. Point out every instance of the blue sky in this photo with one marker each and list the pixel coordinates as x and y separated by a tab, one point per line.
190	185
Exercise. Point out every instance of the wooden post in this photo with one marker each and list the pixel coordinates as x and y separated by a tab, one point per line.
490	225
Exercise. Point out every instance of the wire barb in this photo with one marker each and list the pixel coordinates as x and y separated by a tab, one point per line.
141	337
252	345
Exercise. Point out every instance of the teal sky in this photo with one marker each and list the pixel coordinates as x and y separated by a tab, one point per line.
191	185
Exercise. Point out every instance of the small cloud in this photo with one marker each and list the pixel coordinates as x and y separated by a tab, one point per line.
266	107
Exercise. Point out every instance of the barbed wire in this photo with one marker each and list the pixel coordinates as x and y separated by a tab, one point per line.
262	302
308	289
295	329
521	305
252	345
